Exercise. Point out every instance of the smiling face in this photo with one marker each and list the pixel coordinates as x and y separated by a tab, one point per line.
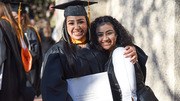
106	36
77	27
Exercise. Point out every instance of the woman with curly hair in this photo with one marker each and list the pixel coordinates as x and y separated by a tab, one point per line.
126	78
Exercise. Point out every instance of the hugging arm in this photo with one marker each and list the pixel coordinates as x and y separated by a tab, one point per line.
131	52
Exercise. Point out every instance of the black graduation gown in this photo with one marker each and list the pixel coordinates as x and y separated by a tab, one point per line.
142	59
56	70
13	81
34	45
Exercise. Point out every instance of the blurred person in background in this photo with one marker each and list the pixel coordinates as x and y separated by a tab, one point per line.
32	19
33	41
45	33
15	58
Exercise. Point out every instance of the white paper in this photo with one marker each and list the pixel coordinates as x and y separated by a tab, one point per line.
95	87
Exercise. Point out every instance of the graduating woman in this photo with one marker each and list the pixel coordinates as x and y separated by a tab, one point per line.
72	56
33	41
14	56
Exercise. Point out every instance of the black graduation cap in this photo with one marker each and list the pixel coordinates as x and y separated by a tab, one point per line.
5	1
15	6
74	8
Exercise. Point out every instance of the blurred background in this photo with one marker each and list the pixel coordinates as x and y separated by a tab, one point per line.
155	24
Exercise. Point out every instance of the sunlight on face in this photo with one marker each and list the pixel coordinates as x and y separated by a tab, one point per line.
106	36
76	27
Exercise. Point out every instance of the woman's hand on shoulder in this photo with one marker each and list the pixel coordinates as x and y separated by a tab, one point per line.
131	52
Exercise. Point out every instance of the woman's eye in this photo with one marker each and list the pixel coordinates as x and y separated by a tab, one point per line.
109	33
70	23
81	22
99	35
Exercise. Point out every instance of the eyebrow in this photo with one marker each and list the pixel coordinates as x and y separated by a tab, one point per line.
81	19
106	31
109	31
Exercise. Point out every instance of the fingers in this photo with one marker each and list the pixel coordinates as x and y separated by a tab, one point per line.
128	50
127	47
133	59
131	52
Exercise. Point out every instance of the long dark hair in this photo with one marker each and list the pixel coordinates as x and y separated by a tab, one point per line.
69	47
123	36
25	22
5	10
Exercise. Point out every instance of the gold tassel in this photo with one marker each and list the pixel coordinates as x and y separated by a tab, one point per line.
19	20
89	15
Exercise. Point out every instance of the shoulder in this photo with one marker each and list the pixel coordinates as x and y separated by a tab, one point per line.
56	48
5	23
52	56
30	30
7	28
118	50
3	20
118	53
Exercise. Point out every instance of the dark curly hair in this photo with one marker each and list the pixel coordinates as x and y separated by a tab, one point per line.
123	36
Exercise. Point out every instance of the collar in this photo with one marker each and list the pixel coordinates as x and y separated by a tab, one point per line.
3	17
78	41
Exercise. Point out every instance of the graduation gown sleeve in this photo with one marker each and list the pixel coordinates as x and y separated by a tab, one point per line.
54	85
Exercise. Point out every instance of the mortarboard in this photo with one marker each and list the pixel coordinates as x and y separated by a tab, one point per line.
15	6
5	1
74	8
